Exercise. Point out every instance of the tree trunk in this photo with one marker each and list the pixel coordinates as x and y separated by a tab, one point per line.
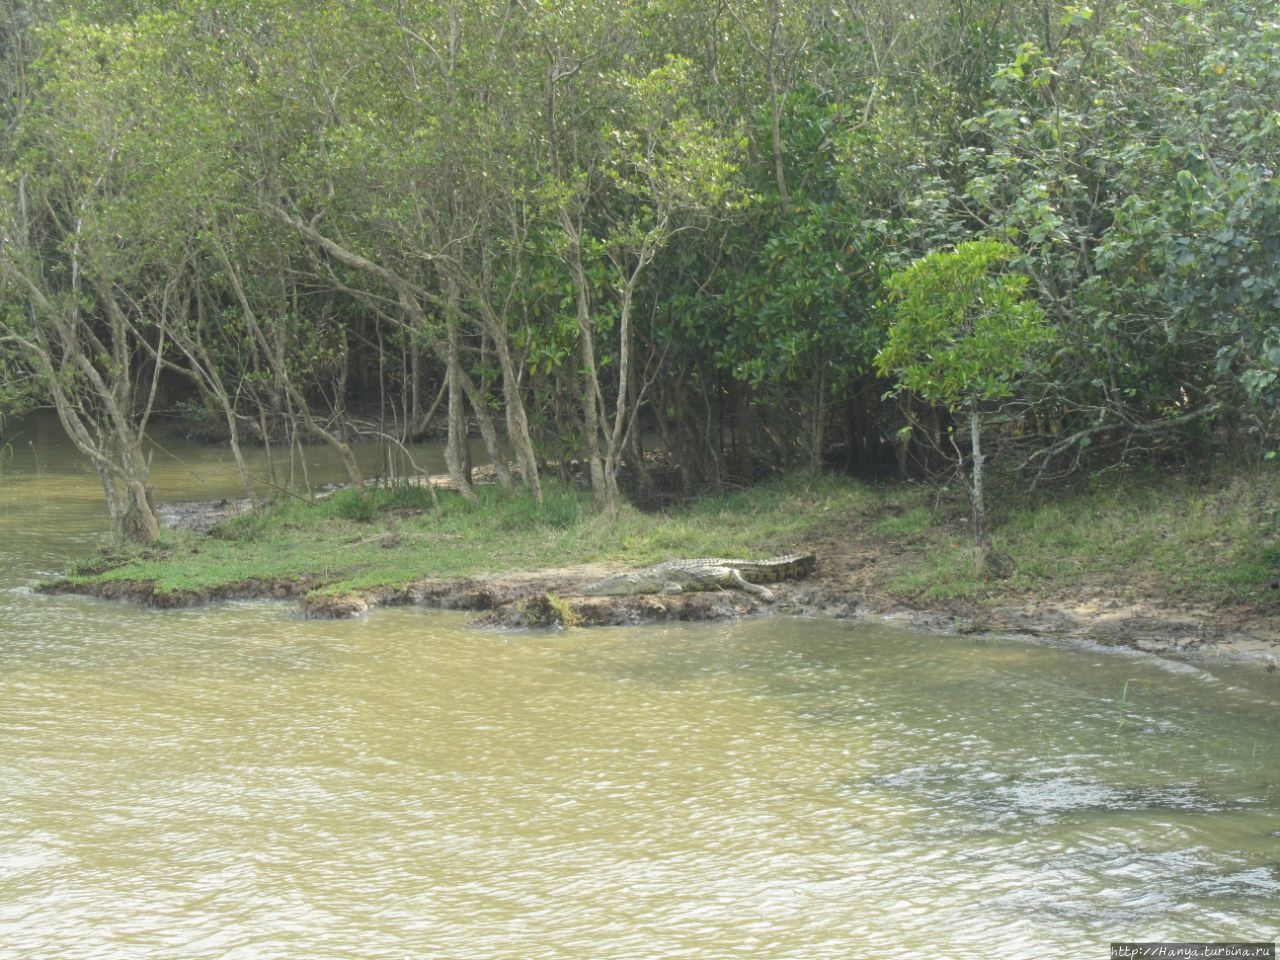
603	484
488	433
273	349
208	380
975	488
120	463
512	401
95	405
817	431
456	457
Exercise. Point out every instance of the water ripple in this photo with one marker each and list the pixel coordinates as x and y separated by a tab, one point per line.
236	782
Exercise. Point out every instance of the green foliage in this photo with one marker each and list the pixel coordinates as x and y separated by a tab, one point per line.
1130	155
802	303
961	331
19	390
716	201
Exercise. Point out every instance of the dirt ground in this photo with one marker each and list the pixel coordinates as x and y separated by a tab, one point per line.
846	584
849	580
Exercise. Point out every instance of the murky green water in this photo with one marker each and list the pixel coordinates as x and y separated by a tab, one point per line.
235	782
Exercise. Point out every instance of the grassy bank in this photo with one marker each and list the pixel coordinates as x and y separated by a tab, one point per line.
391	537
1209	540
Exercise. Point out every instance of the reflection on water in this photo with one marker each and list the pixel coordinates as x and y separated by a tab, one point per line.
235	782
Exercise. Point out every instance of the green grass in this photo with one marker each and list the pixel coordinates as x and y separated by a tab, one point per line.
389	538
1212	539
908	525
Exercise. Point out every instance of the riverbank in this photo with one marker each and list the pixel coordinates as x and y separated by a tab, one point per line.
1170	565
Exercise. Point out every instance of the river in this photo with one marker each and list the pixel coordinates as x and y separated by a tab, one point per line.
235	782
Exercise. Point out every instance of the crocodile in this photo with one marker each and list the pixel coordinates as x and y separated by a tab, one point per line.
706	573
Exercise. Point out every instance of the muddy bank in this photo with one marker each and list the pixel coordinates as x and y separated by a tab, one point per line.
848	583
144	593
552	598
513	600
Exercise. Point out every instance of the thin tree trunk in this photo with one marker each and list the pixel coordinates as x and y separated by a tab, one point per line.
975	489
456	457
817	434
273	350
513	402
204	370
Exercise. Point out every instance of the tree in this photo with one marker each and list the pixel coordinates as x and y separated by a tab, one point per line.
656	170
963	335
93	214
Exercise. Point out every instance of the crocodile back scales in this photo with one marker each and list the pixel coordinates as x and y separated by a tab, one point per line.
771	570
702	573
